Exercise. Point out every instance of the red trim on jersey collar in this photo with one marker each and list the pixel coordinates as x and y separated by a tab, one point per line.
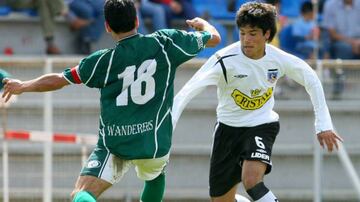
75	75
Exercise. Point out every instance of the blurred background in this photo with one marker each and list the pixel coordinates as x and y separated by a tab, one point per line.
39	36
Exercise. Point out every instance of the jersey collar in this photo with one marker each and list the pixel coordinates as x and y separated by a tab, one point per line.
128	37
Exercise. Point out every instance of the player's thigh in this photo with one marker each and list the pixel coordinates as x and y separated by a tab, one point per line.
105	165
259	142
227	197
91	184
149	169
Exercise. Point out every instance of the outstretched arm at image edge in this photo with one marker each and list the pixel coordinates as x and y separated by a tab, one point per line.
47	82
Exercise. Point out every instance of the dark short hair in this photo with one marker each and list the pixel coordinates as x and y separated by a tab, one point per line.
307	7
256	14
272	2
120	15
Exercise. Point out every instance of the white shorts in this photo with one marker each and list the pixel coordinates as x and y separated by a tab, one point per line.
111	168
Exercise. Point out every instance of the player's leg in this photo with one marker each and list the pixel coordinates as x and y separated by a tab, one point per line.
227	197
252	175
152	172
101	170
89	188
154	189
257	163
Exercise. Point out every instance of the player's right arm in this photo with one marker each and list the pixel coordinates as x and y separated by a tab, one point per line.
200	24
207	75
47	82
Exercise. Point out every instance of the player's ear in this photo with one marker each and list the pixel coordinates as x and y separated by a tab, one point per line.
267	35
137	23
107	27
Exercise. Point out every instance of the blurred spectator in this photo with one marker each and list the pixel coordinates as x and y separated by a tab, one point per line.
48	10
182	9
306	33
87	19
280	23
342	20
154	11
231	5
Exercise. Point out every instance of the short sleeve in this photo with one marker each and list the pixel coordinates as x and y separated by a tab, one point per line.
89	71
182	45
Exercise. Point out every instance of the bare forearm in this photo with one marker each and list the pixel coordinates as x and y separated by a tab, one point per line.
216	39
48	82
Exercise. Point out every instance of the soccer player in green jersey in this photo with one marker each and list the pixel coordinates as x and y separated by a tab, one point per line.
136	80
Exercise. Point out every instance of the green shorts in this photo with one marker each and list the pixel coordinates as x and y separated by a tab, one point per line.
104	165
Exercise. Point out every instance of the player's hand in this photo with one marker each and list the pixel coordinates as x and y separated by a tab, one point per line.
197	23
11	87
329	138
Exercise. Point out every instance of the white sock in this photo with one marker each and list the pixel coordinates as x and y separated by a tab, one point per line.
268	197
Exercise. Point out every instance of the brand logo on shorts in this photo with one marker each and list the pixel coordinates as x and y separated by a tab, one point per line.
93	164
261	150
260	155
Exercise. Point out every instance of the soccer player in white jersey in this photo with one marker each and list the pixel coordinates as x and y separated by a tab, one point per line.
246	74
135	79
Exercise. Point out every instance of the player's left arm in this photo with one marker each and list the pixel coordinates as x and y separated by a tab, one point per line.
329	138
303	74
47	82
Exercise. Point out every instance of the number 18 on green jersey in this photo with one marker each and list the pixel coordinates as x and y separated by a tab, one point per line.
136	81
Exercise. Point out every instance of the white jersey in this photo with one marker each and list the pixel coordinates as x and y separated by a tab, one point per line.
245	87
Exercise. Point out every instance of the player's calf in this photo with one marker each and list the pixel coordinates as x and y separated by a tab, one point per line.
154	189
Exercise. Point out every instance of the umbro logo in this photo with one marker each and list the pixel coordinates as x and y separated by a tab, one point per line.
240	76
261	150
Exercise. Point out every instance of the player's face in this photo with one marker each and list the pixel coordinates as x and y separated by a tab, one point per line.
253	41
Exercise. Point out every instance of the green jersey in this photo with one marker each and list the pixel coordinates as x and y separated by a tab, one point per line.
136	81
